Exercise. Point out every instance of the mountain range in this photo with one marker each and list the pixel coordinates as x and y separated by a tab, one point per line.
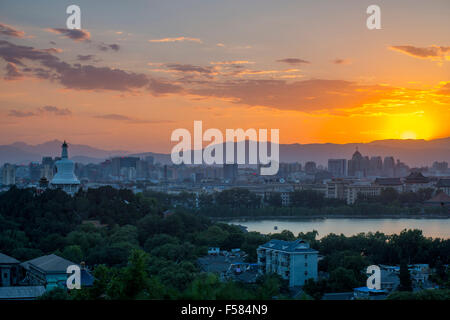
415	153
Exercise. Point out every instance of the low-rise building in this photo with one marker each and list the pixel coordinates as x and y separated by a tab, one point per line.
367	190
9	271
294	261
444	186
51	272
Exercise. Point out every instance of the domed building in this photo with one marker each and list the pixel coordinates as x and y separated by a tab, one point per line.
358	165
65	178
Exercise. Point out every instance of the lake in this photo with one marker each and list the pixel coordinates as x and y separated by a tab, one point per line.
436	228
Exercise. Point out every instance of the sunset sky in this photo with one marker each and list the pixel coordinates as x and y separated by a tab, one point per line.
140	69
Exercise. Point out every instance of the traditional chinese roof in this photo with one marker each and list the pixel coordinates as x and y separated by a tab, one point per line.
440	198
416	177
443	183
388	181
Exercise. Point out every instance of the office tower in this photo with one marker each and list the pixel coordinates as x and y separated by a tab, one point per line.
141	169
389	167
8	174
375	166
337	167
150	160
230	171
34	171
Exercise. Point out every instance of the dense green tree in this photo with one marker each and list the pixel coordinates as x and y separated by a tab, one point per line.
405	278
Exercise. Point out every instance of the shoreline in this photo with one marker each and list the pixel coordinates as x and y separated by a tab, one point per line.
334	216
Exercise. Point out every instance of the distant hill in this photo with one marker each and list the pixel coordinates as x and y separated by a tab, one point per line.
23	153
412	152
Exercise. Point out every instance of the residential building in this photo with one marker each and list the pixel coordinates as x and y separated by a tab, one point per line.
8	174
9	271
367	190
21	293
394	183
51	271
294	261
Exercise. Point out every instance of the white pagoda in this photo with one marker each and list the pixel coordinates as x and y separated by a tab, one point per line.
65	178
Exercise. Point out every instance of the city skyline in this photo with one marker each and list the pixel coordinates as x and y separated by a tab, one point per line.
126	81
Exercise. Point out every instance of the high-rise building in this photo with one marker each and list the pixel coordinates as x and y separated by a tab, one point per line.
8	174
310	167
440	166
34	171
123	162
150	160
389	167
230	171
375	166
141	169
358	166
337	167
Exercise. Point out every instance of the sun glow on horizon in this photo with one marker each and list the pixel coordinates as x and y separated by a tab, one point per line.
408	135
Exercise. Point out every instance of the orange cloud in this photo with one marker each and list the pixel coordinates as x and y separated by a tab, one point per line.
176	39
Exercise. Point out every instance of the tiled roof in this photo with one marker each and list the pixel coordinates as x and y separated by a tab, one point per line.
21	293
288	246
388	181
441	198
4	259
443	183
50	263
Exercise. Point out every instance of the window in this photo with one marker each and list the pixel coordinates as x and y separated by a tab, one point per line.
306	273
306	256
5	275
306	264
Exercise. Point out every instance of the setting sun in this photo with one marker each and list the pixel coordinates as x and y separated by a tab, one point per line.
408	135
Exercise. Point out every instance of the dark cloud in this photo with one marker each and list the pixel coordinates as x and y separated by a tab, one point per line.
20	114
74	34
87	57
160	87
46	110
12	72
432	52
189	68
55	111
82	77
10	31
307	95
293	61
341	61
106	47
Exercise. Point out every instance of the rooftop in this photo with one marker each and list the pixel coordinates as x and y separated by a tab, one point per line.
388	181
443	183
288	246
4	259
50	263
21	293
439	198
